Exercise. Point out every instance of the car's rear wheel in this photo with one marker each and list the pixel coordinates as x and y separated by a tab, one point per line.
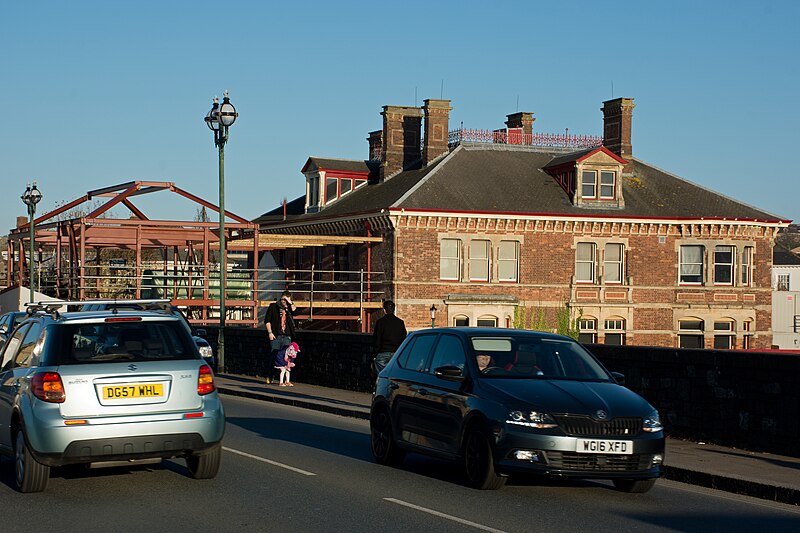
479	462
205	465
634	485
384	448
30	474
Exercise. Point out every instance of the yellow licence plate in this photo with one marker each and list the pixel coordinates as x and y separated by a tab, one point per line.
140	390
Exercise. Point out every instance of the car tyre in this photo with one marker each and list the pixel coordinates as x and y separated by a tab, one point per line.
479	462
205	465
384	448
637	486
30	474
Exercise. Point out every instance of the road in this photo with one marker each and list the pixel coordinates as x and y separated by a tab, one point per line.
291	469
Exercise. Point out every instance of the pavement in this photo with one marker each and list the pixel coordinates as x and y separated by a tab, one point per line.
760	475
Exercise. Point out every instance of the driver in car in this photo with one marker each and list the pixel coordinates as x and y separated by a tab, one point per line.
483	361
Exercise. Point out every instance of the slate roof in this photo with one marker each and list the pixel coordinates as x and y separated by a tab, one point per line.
347	165
784	257
511	179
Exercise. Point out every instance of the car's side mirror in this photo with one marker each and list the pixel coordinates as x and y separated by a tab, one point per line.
619	378
450	373
201	332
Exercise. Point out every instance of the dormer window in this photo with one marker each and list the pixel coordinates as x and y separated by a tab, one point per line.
597	171
336	187
327	180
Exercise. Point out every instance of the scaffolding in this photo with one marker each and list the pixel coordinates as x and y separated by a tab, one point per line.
94	256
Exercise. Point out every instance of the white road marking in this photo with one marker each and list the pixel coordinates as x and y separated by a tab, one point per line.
273	463
442	515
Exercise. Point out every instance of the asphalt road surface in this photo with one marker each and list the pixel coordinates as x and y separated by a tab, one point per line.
291	469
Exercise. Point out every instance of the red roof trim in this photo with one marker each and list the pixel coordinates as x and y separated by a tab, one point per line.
333	173
606	151
341	173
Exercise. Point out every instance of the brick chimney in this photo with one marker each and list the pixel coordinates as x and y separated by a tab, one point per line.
437	116
21	221
617	115
521	120
401	137
375	140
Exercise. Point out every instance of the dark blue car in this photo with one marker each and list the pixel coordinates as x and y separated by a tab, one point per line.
506	401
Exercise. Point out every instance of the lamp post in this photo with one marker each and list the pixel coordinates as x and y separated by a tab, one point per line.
218	120
433	315
31	197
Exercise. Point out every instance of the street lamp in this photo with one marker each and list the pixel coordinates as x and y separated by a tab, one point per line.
218	120
31	197
433	315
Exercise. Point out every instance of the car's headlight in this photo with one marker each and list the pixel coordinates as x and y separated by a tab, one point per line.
652	423
531	419
205	351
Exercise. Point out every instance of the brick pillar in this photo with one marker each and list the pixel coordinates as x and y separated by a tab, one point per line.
375	140
521	120
437	116
617	115
401	138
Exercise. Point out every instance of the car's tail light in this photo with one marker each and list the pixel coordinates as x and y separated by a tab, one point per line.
48	387
205	381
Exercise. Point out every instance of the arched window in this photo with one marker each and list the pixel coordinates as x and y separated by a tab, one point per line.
487	321
691	332
461	321
724	334
615	331
587	327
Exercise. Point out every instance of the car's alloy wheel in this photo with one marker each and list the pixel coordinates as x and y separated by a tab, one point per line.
205	465
384	448
479	462
30	474
634	485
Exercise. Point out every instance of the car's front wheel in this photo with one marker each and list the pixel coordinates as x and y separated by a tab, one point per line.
384	448
205	465
479	462
634	485
30	474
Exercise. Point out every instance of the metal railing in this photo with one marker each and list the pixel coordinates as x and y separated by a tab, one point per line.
515	136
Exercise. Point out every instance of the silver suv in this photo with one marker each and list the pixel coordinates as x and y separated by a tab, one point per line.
105	388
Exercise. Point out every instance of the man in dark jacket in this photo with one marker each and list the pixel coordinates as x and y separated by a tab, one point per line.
280	322
390	332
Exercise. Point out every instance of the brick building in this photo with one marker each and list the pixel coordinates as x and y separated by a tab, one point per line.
510	227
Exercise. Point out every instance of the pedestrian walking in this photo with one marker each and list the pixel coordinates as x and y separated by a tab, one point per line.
390	331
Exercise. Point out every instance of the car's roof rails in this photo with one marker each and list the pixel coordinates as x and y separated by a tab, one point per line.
52	306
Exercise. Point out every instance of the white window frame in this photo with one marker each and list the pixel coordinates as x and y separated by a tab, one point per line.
615	326
691	332
747	334
587	326
449	260
592	184
592	262
746	267
461	321
727	268
724	331
613	184
782	282
328	199
617	266
683	263
486	321
475	261
511	264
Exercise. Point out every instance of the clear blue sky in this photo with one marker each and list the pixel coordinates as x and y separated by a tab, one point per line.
99	93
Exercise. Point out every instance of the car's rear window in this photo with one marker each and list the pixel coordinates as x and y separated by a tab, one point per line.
102	342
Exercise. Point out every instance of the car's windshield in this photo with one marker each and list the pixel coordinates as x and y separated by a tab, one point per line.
118	341
529	357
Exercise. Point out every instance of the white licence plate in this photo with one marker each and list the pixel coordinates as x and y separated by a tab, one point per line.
617	447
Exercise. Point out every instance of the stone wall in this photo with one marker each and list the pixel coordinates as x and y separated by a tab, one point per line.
747	400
